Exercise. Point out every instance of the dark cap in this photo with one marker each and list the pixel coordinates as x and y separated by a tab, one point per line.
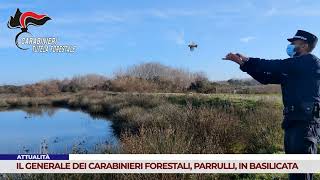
306	36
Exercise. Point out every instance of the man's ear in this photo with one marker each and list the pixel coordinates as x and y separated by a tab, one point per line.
308	48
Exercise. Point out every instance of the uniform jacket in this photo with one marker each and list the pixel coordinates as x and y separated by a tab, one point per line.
299	78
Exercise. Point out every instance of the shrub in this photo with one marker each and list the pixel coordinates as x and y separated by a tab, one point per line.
164	77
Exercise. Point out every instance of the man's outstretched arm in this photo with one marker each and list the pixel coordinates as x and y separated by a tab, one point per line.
260	76
288	66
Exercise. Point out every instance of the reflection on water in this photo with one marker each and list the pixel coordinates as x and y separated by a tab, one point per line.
53	130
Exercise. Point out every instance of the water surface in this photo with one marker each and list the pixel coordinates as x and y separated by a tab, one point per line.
52	130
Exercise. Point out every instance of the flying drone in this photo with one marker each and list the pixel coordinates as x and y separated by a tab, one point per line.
192	45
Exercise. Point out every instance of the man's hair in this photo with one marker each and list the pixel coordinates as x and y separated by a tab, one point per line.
311	47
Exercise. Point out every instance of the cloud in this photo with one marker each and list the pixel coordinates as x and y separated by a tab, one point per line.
159	13
6	42
247	39
169	13
180	40
297	11
301	12
124	16
95	17
178	37
13	5
271	12
6	37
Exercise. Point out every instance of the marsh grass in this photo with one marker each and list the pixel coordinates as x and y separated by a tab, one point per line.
176	123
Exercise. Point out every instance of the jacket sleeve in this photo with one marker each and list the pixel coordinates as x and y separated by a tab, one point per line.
259	75
287	66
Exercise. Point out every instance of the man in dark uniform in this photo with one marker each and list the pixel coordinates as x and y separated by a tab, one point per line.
299	77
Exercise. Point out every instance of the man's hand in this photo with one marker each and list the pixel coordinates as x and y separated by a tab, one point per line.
238	58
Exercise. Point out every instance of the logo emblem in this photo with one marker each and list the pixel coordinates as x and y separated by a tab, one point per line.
24	20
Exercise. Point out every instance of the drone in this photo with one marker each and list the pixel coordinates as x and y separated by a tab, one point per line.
192	45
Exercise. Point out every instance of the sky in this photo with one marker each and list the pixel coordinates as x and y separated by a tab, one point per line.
114	34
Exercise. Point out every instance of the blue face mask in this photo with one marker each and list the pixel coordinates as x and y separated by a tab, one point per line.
291	50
